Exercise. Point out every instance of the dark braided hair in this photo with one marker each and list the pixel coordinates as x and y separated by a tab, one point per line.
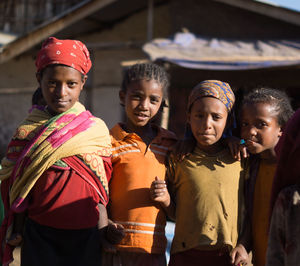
276	98
146	71
37	97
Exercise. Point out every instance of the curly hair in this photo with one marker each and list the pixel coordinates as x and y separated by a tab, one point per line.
146	71
276	98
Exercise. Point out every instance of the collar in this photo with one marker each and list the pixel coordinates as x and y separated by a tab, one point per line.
120	134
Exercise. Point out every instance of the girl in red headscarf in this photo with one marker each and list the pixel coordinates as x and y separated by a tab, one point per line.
57	167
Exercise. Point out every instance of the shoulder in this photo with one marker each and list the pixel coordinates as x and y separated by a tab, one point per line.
165	133
101	124
117	133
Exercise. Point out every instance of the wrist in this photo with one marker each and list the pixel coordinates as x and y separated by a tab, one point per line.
166	203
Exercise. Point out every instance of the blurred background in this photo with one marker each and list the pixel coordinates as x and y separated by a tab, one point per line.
246	43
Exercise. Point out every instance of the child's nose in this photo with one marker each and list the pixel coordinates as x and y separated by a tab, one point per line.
206	123
144	104
252	131
61	90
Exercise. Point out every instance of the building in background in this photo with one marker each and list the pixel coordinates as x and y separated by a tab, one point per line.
117	34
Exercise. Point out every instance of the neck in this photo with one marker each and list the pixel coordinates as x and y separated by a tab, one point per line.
211	149
268	156
50	111
147	133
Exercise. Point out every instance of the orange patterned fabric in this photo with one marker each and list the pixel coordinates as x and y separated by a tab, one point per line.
135	166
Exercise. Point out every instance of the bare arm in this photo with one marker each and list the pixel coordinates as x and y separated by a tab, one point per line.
239	255
159	193
103	229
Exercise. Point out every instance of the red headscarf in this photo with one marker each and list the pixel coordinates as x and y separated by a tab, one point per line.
288	151
71	53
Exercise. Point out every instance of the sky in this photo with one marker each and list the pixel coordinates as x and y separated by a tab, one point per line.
291	4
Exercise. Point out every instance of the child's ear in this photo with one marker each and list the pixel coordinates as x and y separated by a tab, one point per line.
38	77
188	118
84	79
280	132
122	95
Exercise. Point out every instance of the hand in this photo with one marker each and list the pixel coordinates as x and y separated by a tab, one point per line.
237	149
159	192
15	240
239	256
115	232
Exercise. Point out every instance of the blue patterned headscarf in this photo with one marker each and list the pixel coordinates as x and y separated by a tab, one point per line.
213	88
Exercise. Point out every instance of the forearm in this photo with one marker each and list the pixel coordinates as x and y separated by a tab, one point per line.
170	209
103	219
245	238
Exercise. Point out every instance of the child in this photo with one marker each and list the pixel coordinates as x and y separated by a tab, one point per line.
207	185
264	113
139	151
284	245
56	168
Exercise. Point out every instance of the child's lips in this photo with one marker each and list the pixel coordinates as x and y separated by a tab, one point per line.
141	116
60	102
250	143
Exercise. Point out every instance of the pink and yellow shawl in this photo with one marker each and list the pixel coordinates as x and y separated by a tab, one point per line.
43	140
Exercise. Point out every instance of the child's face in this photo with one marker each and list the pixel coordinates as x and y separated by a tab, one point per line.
208	117
259	128
142	101
61	87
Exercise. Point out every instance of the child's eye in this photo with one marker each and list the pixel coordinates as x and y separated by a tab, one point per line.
154	100
51	83
244	124
261	125
217	117
136	97
72	84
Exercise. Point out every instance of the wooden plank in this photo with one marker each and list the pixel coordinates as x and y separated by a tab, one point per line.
56	24
4	91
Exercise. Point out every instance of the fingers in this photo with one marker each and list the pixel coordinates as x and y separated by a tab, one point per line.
119	227
158	188
244	152
158	193
158	184
232	255
15	240
239	255
236	258
115	233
